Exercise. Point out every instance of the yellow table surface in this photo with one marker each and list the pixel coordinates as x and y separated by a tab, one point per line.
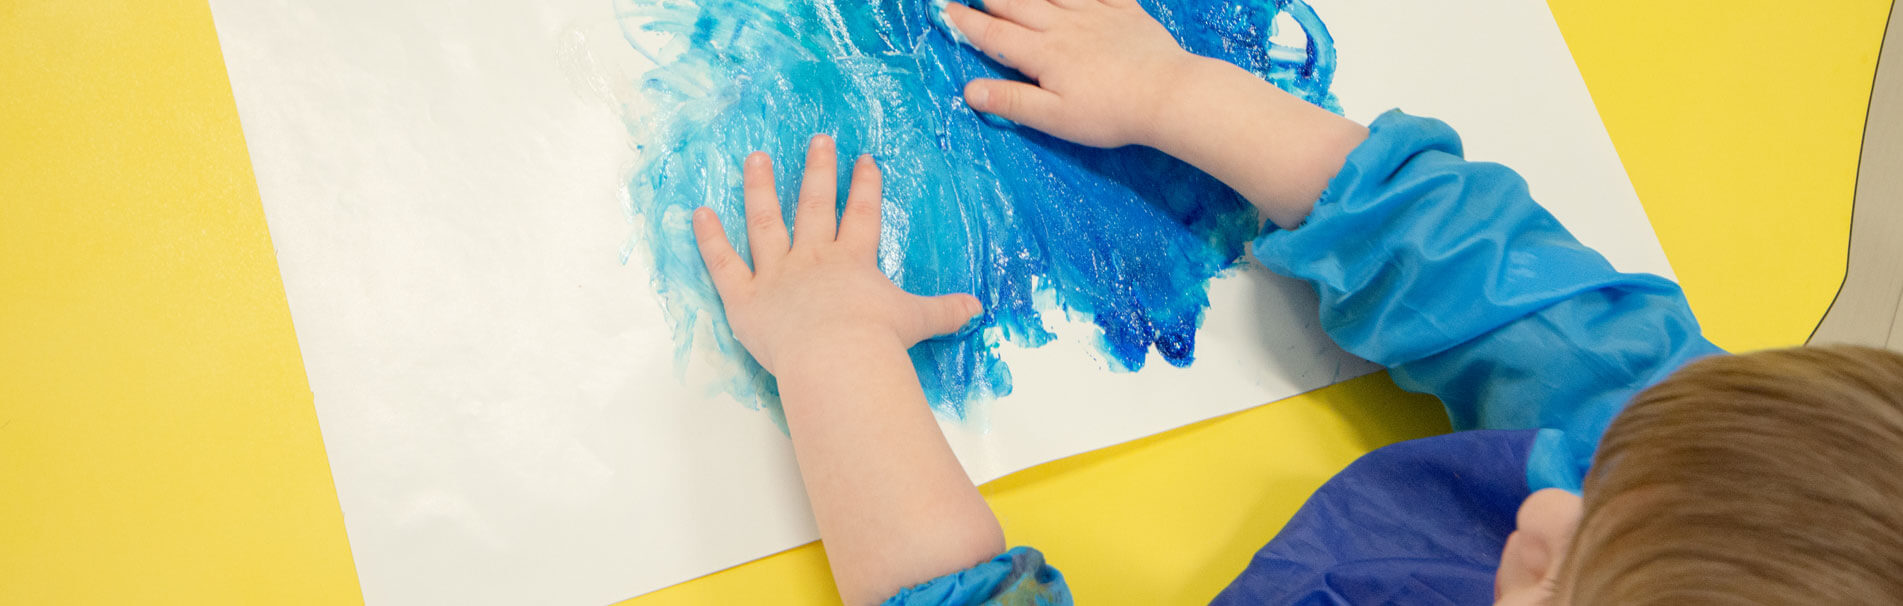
158	443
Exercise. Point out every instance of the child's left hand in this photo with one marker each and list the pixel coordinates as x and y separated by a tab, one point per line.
825	285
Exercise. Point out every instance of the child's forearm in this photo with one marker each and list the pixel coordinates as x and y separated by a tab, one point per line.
894	507
1278	151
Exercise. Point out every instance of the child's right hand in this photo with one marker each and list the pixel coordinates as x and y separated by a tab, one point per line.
1109	75
1101	67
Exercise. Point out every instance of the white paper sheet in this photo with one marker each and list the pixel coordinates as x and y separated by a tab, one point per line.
497	393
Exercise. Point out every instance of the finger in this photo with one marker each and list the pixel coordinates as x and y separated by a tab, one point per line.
766	230
1032	14
1004	41
1015	101
723	263
859	223
813	221
945	314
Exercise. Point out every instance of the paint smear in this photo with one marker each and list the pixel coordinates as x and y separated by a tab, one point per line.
1126	239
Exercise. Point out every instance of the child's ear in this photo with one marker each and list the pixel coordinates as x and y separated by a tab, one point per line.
1531	559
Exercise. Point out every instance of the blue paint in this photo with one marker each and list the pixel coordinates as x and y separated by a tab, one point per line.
944	20
1126	239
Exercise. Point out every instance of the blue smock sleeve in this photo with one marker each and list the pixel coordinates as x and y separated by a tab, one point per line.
1018	577
1447	272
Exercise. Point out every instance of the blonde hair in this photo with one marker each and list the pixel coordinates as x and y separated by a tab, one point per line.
1768	478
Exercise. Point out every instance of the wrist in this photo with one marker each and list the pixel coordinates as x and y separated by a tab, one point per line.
1166	120
827	350
1275	149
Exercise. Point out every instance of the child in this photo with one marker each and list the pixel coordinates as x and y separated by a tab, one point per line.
1770	478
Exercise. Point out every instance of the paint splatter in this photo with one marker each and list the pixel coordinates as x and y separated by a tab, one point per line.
1126	239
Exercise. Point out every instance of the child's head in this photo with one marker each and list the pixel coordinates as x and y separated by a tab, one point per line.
1768	478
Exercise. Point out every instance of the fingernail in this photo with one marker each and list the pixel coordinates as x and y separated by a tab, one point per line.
978	97
822	141
756	158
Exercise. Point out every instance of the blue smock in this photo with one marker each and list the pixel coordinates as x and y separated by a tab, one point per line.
1448	273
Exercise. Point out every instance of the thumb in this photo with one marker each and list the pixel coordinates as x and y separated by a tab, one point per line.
945	314
1018	102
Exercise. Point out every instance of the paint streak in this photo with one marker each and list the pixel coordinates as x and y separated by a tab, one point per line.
1126	239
